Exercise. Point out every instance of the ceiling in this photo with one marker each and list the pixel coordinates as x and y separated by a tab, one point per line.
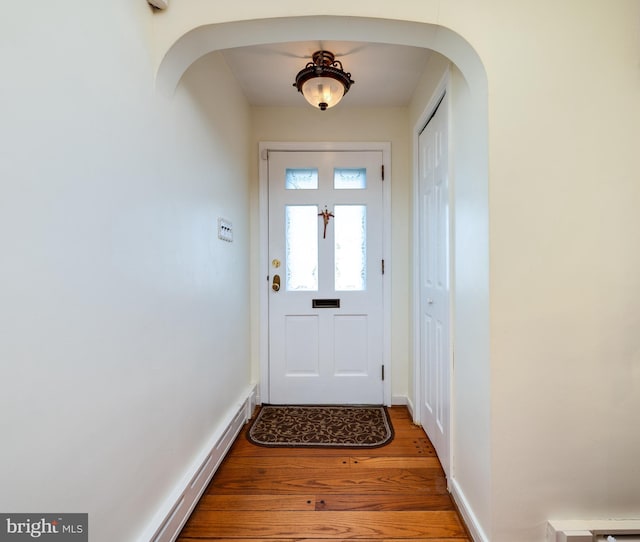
384	75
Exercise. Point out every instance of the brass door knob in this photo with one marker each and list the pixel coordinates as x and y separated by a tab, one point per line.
275	286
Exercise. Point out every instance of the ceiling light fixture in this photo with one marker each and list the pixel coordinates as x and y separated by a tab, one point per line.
323	82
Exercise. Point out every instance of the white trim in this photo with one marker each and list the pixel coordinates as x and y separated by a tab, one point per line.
263	148
470	519
263	265
177	507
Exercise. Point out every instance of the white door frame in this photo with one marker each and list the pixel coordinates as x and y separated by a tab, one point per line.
442	88
263	285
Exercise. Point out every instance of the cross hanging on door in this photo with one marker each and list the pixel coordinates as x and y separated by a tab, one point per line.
326	215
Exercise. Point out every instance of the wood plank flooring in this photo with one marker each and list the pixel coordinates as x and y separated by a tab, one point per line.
394	493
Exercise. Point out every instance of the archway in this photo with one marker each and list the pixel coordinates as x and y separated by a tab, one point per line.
471	431
207	38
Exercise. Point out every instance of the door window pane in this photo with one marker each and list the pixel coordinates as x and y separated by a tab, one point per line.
301	179
350	178
350	247
301	232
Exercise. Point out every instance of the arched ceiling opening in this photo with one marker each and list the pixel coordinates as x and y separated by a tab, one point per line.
269	35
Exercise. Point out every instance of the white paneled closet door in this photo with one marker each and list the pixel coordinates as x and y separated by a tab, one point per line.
435	357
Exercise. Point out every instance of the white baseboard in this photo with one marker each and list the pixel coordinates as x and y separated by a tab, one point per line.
470	519
410	408
399	400
167	523
252	402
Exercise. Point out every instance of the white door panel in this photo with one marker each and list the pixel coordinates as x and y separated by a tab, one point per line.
326	319
435	359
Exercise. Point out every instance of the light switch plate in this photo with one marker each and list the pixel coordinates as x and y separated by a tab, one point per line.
225	230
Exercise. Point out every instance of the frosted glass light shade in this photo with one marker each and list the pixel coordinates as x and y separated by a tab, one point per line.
323	92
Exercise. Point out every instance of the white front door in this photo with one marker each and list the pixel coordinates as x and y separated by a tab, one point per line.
326	282
434	282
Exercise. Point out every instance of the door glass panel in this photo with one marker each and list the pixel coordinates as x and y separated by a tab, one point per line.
350	247
350	178
301	232
301	179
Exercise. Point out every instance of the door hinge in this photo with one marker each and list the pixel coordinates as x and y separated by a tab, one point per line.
382	171
383	372
382	262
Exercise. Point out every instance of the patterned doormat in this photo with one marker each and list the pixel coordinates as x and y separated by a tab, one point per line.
321	427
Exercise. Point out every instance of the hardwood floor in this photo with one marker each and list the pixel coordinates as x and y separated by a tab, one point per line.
394	493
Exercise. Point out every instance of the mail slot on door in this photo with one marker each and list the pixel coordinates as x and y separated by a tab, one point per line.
325	303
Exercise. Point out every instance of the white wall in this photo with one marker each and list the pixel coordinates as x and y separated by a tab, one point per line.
123	320
565	270
472	375
348	124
